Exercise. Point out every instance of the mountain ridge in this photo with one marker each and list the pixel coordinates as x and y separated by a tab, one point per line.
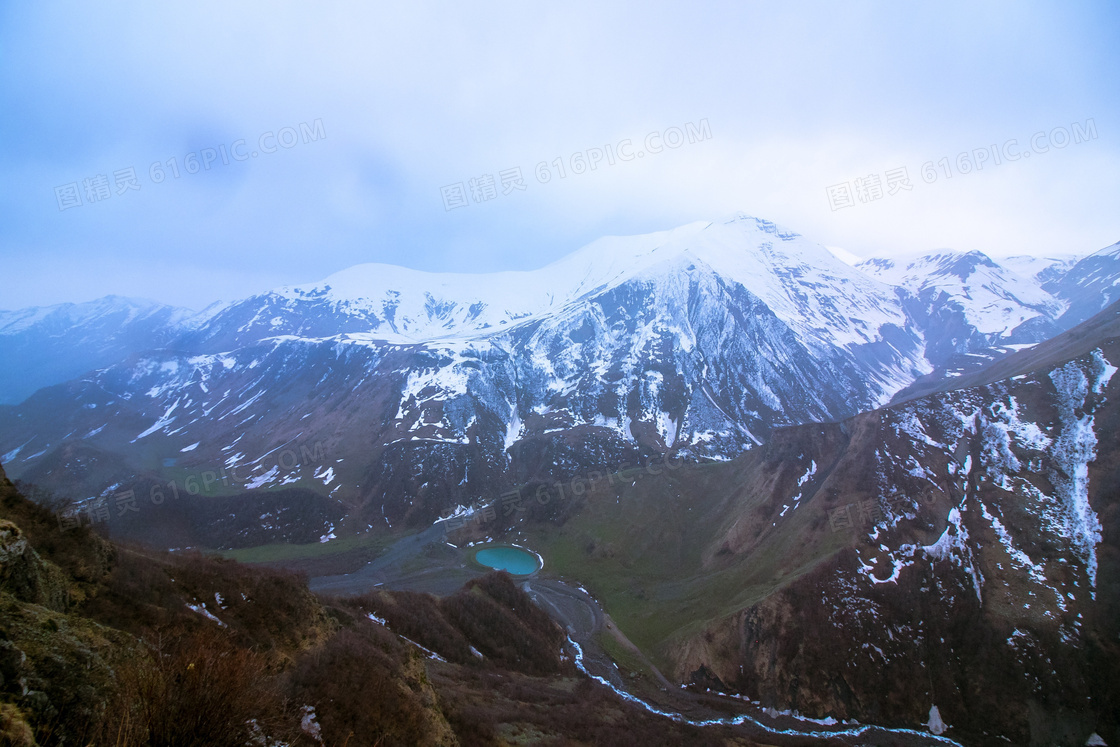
721	332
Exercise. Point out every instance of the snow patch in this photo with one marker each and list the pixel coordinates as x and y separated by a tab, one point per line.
935	725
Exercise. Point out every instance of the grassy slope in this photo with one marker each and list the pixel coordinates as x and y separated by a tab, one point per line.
283	553
648	551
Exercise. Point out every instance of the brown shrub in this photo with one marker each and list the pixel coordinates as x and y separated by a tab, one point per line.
359	685
420	618
504	625
194	691
267	609
489	613
14	730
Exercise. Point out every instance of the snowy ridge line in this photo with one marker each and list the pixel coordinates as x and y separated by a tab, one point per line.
745	718
399	305
994	298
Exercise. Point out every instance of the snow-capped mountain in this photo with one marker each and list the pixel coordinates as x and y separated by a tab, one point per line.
1088	286
398	305
432	390
56	343
698	340
968	293
1041	269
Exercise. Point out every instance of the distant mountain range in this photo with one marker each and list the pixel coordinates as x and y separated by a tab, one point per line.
54	344
405	394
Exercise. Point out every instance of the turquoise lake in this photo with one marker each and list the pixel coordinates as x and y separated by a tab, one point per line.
512	559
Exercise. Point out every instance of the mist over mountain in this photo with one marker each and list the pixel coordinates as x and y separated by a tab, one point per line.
57	343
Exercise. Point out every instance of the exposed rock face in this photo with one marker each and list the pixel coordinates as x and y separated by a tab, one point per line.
25	575
16	556
982	574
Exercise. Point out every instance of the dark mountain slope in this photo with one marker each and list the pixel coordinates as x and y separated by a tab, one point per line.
961	550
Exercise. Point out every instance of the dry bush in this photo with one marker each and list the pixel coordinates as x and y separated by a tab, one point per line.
193	691
266	609
503	623
358	683
418	617
489	613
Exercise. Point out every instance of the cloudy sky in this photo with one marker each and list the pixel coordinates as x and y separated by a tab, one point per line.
309	139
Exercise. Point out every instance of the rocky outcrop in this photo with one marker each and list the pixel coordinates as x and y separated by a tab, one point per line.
27	576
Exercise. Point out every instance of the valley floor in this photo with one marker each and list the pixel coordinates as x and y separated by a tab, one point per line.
426	562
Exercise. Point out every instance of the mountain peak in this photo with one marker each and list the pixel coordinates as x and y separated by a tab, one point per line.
760	224
931	268
965	264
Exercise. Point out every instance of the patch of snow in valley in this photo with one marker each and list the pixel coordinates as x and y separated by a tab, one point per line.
201	609
259	481
164	421
513	429
1034	570
1072	450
